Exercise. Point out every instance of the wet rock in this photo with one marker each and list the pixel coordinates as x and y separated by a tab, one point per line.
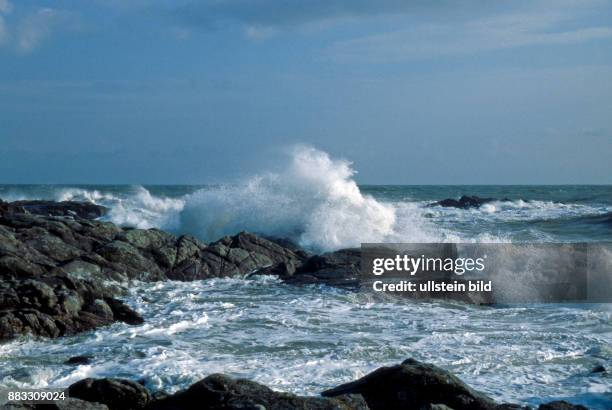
76	360
237	255
599	369
413	384
340	268
54	306
125	258
117	394
61	270
123	313
561	405
465	202
83	210
222	392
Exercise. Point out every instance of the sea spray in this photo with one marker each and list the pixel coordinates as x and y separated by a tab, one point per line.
315	201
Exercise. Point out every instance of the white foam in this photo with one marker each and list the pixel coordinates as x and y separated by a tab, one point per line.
315	201
143	210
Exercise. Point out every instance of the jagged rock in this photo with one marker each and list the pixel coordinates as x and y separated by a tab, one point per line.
222	392
413	384
54	306
117	394
77	265
561	405
237	255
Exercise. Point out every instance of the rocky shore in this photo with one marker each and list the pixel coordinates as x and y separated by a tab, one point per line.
409	385
62	271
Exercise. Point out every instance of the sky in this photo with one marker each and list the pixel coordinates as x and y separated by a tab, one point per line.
412	92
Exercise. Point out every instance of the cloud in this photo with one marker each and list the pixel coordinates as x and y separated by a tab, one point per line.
31	28
38	26
272	13
497	32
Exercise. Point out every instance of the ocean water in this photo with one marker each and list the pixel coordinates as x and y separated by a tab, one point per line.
307	339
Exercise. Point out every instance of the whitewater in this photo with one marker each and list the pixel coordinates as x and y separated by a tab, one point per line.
310	338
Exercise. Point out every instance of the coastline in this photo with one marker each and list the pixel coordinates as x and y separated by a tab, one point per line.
65	273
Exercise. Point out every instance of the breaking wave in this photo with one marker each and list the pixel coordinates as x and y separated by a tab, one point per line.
315	202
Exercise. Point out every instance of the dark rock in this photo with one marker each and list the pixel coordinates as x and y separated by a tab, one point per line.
561	405
222	392
55	306
61	271
83	210
117	394
414	385
237	255
78	360
123	313
464	202
69	403
340	268
599	369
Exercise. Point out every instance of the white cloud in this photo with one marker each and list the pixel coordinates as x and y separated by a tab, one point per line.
30	31
538	27
36	27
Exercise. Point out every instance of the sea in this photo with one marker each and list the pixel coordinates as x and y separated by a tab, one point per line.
305	339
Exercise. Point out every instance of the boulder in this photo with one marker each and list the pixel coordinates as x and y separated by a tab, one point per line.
414	385
117	394
219	391
55	306
339	268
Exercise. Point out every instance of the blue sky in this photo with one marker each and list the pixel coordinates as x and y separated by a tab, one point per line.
420	92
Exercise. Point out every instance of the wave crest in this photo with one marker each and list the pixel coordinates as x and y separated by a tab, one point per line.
315	202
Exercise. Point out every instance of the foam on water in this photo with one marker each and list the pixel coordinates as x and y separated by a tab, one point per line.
307	339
